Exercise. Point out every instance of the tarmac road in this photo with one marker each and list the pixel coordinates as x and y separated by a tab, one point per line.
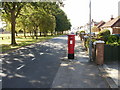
33	66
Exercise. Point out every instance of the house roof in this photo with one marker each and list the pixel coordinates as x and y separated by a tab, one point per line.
100	24
112	22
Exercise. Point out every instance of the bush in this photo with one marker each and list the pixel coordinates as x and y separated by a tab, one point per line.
88	42
82	32
104	33
113	40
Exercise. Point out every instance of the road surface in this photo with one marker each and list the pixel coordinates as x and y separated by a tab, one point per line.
33	66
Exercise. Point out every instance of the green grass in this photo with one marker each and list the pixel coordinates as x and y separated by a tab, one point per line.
21	41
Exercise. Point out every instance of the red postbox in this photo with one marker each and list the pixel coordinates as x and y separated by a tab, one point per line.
71	44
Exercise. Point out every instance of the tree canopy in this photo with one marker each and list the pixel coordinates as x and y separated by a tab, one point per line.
34	17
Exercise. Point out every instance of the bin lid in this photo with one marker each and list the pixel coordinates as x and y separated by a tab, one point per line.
98	42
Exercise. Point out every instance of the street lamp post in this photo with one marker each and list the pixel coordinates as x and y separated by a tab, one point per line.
90	43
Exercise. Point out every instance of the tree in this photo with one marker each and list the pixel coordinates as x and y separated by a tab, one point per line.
48	23
62	23
33	17
23	21
45	19
12	10
51	24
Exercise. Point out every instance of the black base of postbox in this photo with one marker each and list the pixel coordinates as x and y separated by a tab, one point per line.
70	56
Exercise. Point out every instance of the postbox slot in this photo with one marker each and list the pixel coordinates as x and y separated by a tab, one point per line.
71	42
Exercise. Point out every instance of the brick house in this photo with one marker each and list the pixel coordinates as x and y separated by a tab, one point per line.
96	28
101	23
113	25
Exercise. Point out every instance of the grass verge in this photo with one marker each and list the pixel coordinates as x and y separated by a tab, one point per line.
21	41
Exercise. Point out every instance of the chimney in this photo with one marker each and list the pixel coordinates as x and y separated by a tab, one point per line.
112	17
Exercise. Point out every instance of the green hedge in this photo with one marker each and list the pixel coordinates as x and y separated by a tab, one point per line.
82	31
87	42
104	33
113	40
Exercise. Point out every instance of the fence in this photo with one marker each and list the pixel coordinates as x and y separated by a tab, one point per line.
111	53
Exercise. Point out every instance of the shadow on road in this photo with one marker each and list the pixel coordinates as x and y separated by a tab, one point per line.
33	66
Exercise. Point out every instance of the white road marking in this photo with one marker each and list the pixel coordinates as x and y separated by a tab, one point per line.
33	59
20	67
41	53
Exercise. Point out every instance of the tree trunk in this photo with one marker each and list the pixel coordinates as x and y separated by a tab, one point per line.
24	33
45	34
51	33
30	33
13	42
16	33
56	33
35	34
62	32
40	34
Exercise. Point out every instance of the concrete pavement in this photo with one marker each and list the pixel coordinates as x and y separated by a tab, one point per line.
79	73
110	71
112	68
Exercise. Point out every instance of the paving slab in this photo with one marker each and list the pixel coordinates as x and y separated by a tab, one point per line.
79	73
110	72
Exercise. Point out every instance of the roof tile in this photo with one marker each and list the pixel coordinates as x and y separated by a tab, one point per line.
111	22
